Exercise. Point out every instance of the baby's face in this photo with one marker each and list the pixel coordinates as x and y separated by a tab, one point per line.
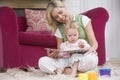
72	35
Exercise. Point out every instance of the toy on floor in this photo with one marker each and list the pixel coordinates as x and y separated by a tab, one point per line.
91	75
83	76
105	72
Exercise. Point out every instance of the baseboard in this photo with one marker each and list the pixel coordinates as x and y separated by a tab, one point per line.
113	60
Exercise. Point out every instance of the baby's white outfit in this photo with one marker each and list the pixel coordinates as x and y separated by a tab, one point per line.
67	46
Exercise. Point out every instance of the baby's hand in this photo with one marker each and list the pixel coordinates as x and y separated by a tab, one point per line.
81	44
91	51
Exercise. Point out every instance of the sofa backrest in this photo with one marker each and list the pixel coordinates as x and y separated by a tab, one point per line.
22	23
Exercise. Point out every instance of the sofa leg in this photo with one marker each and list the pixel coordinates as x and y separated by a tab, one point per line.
2	70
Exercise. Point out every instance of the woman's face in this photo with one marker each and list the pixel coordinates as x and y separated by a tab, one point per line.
60	15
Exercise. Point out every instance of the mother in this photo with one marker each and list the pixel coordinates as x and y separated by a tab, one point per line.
57	16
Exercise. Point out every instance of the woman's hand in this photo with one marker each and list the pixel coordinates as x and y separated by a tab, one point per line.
52	53
91	51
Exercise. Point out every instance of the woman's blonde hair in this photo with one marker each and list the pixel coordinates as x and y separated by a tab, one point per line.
72	24
51	5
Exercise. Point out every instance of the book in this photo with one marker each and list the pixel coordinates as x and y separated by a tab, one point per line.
80	51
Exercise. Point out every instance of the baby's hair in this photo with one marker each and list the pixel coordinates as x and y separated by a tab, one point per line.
72	25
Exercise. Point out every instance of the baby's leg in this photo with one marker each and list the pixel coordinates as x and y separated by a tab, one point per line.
74	63
74	68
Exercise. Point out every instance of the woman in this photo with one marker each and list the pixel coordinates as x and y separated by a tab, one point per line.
57	16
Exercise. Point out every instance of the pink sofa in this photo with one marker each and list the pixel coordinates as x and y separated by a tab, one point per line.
20	49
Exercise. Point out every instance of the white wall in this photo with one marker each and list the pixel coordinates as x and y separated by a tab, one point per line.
112	33
73	6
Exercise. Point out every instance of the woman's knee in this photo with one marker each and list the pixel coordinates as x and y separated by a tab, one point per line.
43	61
88	62
91	59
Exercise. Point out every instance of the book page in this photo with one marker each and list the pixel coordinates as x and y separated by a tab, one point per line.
81	51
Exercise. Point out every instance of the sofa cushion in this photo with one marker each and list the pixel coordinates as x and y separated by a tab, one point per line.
36	20
43	38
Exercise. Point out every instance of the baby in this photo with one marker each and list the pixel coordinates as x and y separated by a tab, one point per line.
73	43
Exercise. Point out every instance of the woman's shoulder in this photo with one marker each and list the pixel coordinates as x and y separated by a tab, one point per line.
83	19
82	16
64	43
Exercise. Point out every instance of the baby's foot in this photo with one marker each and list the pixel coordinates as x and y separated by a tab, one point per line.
74	73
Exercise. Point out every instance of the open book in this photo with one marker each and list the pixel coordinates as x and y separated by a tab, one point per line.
81	51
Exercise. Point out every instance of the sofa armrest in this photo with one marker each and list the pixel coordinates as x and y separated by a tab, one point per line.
9	36
98	14
99	17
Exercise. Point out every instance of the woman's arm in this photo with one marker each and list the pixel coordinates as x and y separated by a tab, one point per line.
55	53
91	37
59	41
